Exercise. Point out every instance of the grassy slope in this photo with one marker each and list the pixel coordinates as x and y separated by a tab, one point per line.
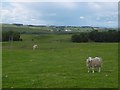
7	27
57	63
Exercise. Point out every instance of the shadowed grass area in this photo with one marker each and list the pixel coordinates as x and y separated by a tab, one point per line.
57	63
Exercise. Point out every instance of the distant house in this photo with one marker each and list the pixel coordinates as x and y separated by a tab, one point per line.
96	28
67	30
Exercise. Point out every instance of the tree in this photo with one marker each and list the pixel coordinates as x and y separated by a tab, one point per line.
10	36
82	37
95	36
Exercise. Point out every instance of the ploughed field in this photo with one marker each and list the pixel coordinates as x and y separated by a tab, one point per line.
57	63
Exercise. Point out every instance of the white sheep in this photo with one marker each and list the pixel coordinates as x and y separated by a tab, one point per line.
35	46
94	63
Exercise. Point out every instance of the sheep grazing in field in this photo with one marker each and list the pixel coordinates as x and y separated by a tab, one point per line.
35	46
94	63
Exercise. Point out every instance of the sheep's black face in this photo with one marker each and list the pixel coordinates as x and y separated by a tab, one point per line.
89	61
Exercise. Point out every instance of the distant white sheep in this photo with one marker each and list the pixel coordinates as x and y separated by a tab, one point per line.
35	46
94	63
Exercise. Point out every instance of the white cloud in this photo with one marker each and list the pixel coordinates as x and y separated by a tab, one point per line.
81	17
66	5
17	12
20	13
69	4
94	5
109	22
104	13
103	7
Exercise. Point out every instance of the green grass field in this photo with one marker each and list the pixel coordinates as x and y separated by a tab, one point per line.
57	63
28	29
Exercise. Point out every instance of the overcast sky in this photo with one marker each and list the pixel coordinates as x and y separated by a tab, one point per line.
101	14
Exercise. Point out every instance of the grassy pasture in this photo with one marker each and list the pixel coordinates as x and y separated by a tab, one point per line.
28	29
57	63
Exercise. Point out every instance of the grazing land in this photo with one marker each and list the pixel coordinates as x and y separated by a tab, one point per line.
57	63
44	29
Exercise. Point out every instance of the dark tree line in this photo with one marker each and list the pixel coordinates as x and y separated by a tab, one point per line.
95	36
11	36
82	37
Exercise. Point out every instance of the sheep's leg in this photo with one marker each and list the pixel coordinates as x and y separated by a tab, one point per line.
99	69
88	70
93	70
